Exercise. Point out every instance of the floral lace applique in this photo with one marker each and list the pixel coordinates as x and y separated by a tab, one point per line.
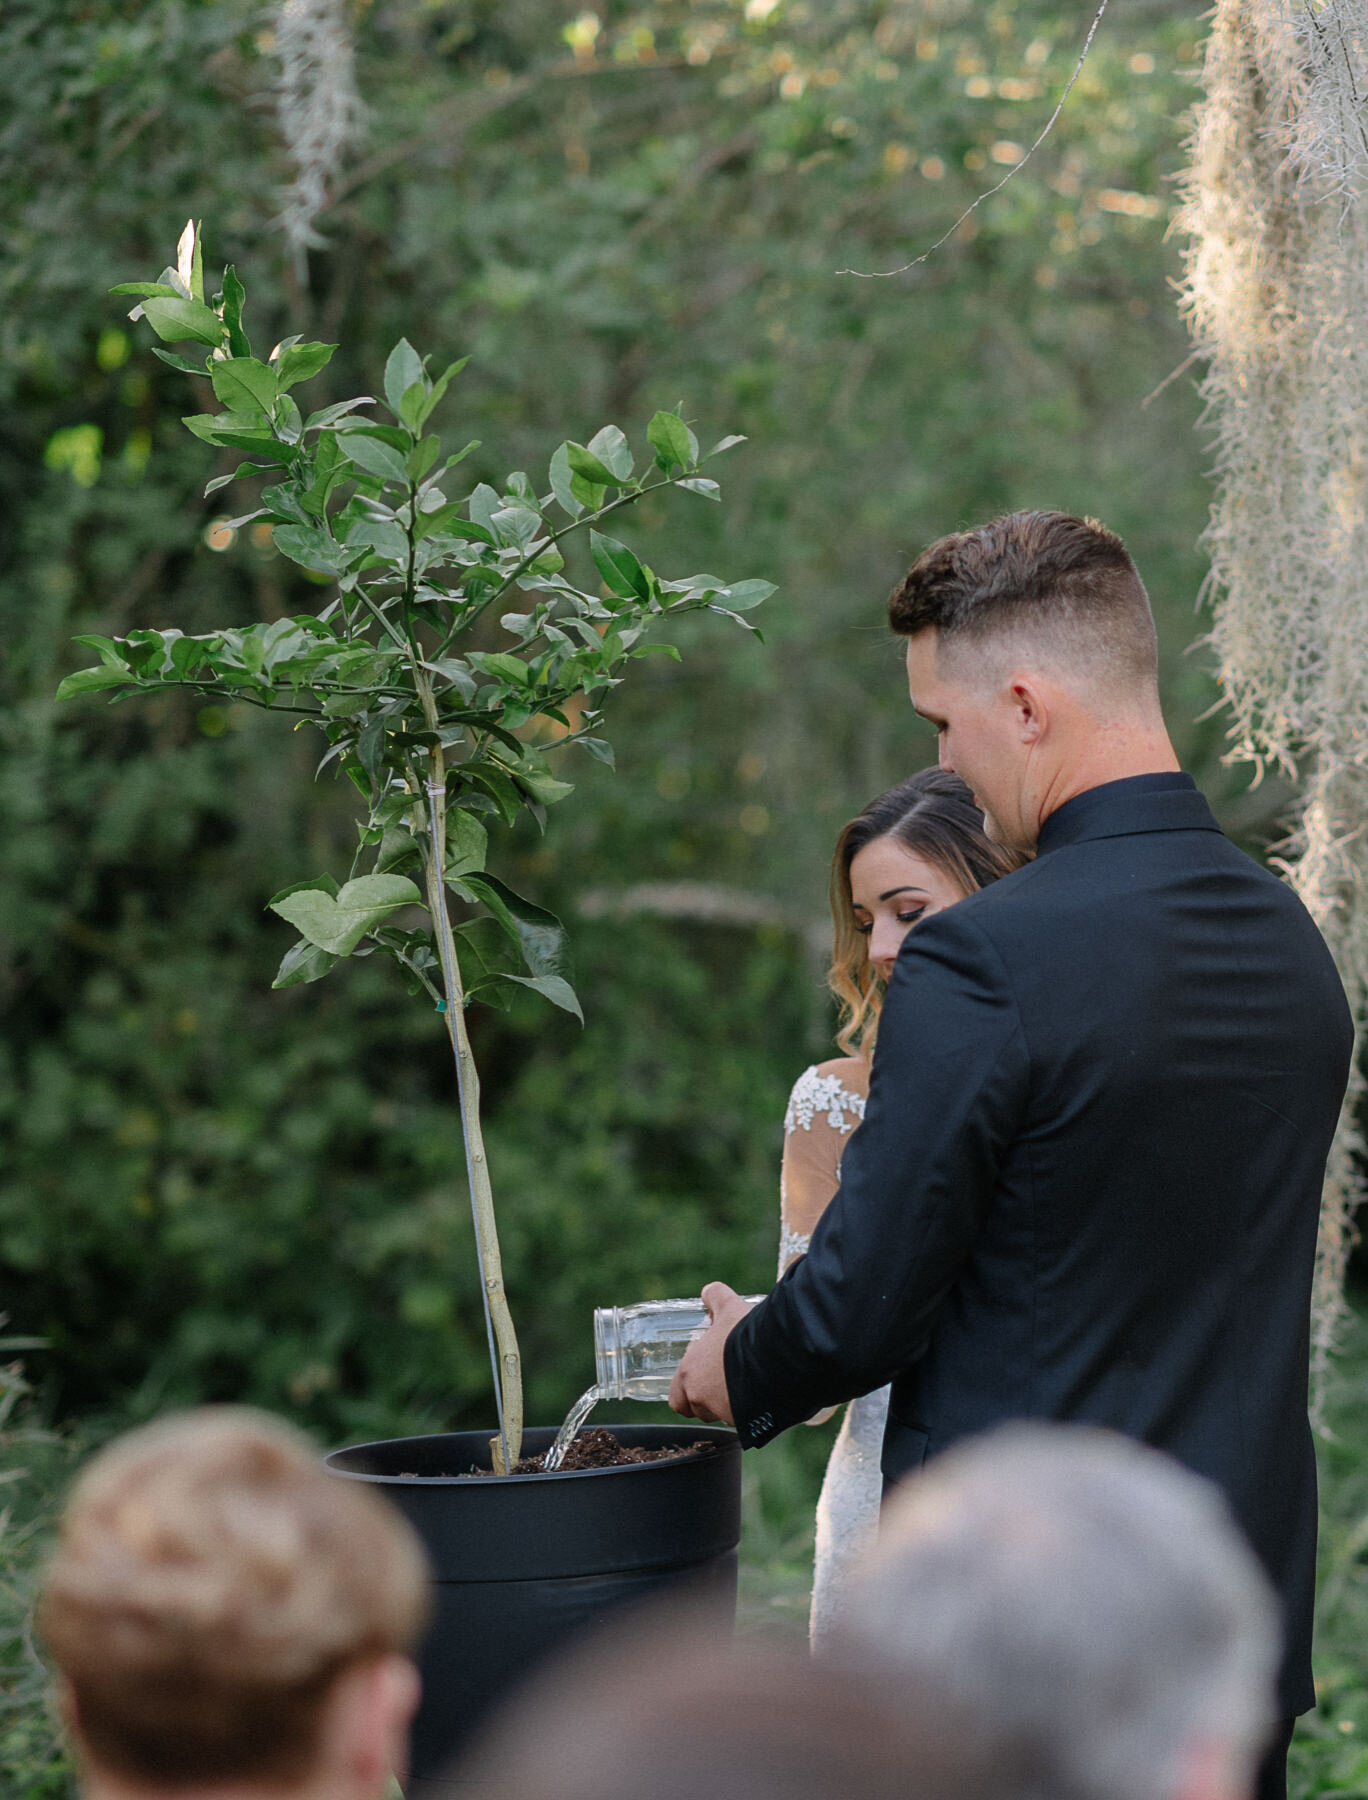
791	1244
815	1093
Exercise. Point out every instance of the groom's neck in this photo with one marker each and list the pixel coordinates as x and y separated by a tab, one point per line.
1109	752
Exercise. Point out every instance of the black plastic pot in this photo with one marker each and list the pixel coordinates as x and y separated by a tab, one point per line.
523	1563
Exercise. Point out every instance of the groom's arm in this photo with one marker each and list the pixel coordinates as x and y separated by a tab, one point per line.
946	1096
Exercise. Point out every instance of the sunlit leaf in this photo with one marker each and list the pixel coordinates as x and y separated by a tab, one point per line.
87	681
301	361
338	925
743	595
176	320
611	448
377	458
561	482
310	548
242	383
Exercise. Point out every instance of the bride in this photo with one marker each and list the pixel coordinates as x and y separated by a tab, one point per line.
912	852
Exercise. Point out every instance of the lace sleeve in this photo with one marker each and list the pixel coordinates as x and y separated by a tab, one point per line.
826	1105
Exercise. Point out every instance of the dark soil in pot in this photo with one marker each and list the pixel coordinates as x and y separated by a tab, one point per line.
524	1563
594	1448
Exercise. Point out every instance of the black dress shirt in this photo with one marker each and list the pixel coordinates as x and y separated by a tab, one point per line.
1088	1182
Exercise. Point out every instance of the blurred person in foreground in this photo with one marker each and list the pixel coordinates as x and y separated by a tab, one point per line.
229	1621
1087	1186
667	1708
1080	1602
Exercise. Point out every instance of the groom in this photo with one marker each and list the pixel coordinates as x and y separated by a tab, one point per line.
1088	1181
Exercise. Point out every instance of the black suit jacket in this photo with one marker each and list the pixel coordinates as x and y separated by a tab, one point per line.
1088	1181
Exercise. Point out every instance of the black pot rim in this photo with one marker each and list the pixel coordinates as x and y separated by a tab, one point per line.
724	1440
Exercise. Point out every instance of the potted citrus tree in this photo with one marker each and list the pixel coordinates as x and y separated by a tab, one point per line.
450	650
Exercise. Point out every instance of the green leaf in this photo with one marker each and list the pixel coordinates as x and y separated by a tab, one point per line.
162	288
483	504
311	548
384	537
281	502
726	443
243	469
421	459
672	441
701	484
301	361
234	299
502	666
554	988
467	844
172	361
249	432
188	653
110	653
505	797
86	681
622	574
727	613
588	493
403	369
446	521
486	953
588	467
518	525
322	421
303	962
461	454
176	320
599	748
398	846
338	925
544	787
370	749
562	483
613	451
412	407
325	882
746	594
456	672
538	933
243	384
375	457
435	395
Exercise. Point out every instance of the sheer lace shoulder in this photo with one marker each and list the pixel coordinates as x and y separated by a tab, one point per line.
827	1103
835	1089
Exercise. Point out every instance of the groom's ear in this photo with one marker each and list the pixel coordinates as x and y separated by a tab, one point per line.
1030	708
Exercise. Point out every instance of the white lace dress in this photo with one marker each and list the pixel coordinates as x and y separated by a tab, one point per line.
826	1105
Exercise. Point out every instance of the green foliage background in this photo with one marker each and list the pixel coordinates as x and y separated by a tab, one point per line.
212	1191
216	1191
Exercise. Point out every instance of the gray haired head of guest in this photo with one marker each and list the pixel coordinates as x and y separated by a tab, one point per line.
1084	1599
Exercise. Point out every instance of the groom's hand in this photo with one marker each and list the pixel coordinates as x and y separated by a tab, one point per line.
699	1388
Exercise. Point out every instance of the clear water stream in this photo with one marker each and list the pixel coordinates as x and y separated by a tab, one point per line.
574	1421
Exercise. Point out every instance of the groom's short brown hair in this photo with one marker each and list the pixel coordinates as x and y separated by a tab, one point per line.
211	1583
1063	585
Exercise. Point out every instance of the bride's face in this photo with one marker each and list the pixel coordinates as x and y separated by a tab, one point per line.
892	889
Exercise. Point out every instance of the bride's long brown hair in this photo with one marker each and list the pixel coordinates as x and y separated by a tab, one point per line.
933	814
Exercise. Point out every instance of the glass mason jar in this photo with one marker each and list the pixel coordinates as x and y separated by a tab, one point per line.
638	1348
